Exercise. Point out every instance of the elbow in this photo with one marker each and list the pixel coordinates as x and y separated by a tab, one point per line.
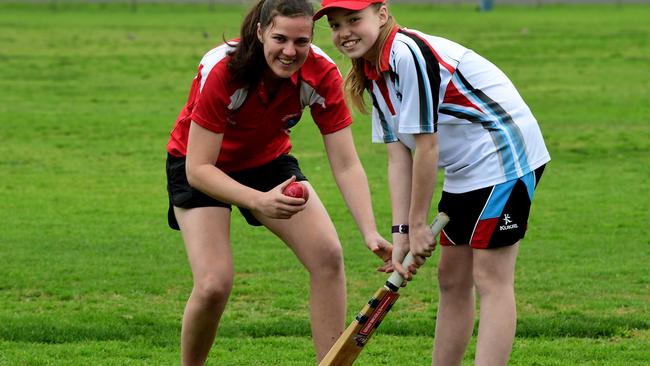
343	164
191	175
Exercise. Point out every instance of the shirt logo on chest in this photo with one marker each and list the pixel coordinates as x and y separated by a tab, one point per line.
290	120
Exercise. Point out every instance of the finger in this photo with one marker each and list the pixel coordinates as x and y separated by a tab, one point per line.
418	261
398	267
293	208
421	253
385	243
294	202
382	253
289	211
382	244
413	269
386	268
389	265
399	255
284	184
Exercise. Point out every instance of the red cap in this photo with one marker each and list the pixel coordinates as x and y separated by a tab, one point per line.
344	4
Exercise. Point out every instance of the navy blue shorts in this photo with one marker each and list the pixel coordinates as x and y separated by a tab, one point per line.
262	178
490	217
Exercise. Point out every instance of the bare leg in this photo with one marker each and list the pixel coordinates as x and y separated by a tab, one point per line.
312	237
455	320
494	274
207	241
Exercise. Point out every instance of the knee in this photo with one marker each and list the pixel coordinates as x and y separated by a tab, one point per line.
452	279
212	289
488	282
328	260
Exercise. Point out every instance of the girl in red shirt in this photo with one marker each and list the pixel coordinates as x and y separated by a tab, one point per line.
230	146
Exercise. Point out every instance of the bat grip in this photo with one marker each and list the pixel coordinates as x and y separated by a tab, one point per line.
438	223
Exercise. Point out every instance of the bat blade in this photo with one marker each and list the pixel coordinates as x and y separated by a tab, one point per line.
354	338
350	344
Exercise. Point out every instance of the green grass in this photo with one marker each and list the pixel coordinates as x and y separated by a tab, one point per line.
90	273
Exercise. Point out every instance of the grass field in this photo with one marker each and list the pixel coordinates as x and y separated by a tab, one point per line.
91	275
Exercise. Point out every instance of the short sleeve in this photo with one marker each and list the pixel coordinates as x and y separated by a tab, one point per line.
421	85
211	108
327	103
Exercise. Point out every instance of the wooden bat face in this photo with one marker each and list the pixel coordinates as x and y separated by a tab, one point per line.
378	307
351	342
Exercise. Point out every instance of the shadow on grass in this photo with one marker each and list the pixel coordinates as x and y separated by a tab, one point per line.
162	333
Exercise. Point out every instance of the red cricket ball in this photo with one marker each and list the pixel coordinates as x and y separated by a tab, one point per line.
296	189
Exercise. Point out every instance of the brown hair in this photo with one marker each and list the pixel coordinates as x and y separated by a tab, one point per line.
247	59
356	81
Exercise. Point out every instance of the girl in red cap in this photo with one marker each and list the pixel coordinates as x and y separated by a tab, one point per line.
438	104
231	146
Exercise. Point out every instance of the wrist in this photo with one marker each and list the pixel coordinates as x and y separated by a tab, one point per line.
369	235
417	224
400	229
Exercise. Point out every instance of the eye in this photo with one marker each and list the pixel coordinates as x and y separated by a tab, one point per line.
303	42
354	20
334	26
279	39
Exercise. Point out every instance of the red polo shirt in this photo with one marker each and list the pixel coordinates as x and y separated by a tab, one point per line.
256	130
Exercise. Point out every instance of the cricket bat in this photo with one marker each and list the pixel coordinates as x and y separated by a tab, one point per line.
354	338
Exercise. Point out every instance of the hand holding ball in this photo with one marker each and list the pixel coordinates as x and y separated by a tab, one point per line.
297	190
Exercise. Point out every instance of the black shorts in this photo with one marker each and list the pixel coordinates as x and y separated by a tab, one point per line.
263	178
490	217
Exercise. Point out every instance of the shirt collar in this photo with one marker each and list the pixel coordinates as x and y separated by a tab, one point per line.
369	68
295	77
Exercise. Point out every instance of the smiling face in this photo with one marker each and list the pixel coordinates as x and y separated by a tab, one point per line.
286	44
355	33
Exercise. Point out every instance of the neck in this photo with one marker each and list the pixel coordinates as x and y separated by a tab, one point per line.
371	55
270	79
271	84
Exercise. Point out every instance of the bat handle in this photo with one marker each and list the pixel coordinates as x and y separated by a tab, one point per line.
395	278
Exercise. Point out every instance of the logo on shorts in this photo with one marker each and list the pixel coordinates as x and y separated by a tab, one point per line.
507	223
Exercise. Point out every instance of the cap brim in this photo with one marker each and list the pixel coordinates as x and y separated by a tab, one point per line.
349	5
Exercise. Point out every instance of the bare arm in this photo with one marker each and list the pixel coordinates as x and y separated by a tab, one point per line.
399	177
202	151
353	183
425	167
412	182
400	170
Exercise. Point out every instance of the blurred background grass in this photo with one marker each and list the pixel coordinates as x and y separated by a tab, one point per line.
90	273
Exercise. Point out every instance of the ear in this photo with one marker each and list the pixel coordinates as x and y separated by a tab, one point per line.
383	15
259	33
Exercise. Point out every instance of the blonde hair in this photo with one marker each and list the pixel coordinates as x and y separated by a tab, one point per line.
356	81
